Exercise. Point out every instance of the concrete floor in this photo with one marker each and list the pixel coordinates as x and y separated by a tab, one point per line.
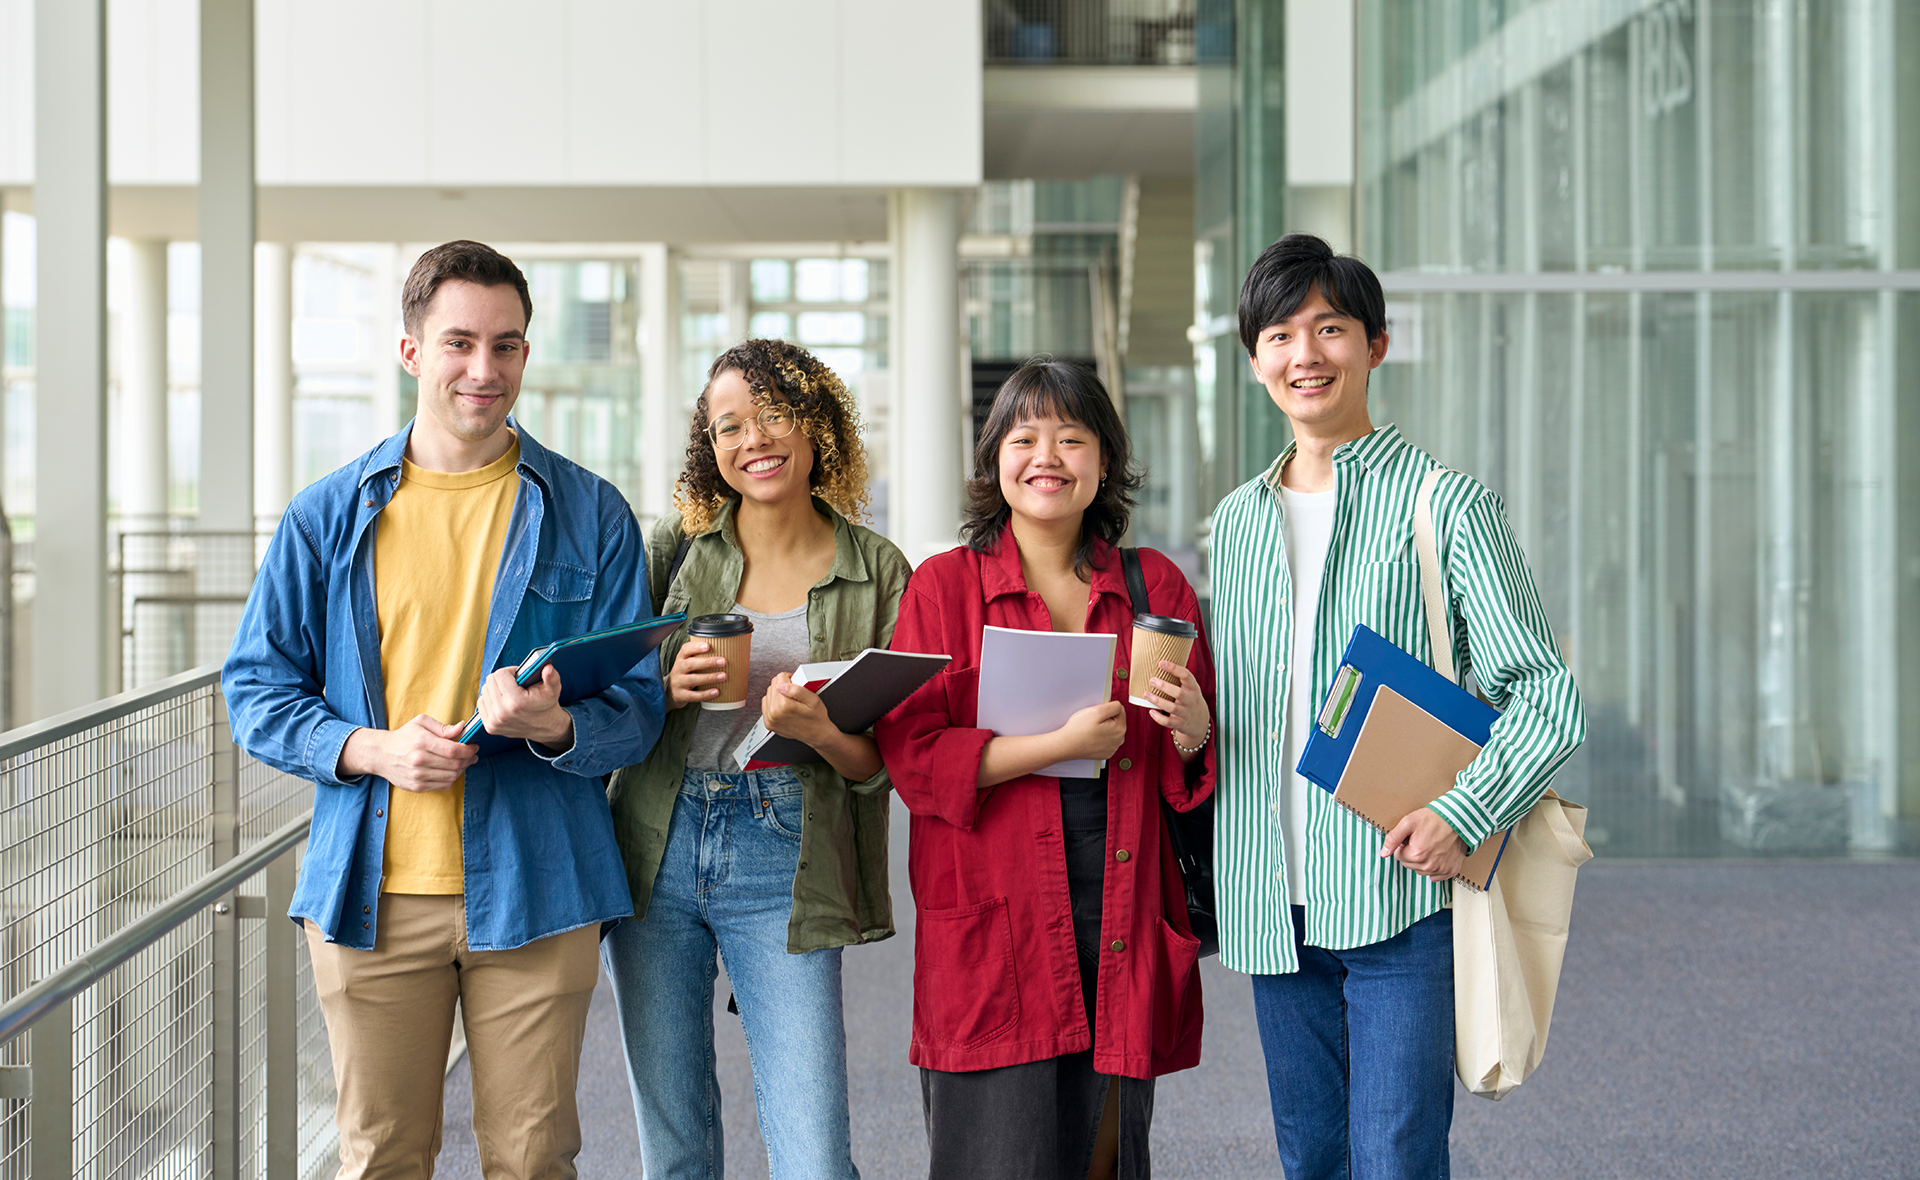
1715	1020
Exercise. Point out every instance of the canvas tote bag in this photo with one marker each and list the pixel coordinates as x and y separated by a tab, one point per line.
1509	941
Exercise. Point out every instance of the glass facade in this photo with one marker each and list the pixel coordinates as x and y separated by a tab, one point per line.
1647	279
1240	188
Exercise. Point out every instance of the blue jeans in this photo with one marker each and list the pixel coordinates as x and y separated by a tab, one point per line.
726	885
1359	1048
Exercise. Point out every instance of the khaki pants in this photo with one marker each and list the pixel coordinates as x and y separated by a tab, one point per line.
389	1015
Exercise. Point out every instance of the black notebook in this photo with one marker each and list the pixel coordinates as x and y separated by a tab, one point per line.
856	692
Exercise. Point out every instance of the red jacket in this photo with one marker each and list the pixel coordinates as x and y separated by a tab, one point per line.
996	981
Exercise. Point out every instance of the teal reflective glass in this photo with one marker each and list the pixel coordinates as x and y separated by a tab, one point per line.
731	430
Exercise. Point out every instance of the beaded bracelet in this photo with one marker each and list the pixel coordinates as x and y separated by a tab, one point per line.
1197	746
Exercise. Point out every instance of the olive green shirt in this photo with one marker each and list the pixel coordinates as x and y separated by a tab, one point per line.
840	886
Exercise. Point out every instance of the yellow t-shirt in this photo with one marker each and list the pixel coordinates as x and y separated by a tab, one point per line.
434	560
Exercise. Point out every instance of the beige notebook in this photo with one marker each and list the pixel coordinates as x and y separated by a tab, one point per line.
1404	759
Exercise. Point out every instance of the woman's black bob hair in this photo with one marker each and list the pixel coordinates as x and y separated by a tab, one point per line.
1046	388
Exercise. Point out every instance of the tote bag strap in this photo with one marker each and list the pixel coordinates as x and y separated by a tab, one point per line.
1433	587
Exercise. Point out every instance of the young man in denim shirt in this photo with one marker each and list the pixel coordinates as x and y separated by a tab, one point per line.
396	593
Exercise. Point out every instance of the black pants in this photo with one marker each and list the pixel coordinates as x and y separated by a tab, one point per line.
1037	1121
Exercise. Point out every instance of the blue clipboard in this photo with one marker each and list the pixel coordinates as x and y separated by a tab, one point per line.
588	664
1369	662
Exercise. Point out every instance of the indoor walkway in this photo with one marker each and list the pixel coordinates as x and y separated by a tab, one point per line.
1715	1020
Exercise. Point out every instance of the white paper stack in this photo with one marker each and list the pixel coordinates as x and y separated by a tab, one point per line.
1032	681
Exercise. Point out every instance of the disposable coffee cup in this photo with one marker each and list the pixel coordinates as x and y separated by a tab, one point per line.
731	637
1156	638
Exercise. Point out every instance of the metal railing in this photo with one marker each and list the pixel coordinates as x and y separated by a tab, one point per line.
1089	32
180	597
171	1030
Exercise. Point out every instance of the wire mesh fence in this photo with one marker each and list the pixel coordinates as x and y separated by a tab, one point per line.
181	594
1089	32
105	816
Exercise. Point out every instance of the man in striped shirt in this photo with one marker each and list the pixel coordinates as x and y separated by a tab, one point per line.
1347	934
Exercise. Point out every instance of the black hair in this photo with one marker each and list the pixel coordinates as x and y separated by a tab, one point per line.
1296	266
1046	388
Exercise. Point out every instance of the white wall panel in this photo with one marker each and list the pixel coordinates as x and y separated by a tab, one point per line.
359	86
498	90
636	70
153	59
272	87
470	93
910	83
16	91
772	98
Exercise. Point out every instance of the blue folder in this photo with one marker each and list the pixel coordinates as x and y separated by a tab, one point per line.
588	665
1369	662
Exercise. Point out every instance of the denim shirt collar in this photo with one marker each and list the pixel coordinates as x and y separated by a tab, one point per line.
384	459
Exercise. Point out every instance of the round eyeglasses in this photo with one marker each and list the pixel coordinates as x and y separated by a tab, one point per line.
731	430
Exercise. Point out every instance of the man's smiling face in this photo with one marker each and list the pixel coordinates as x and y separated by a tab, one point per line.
1314	364
469	358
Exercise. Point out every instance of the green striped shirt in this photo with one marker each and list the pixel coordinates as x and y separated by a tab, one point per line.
1355	897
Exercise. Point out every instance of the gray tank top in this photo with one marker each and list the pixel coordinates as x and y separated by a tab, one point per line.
780	644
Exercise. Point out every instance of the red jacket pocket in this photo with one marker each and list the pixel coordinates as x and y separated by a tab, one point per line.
965	992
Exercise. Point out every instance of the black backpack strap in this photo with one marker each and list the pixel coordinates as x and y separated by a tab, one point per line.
1136	580
673	571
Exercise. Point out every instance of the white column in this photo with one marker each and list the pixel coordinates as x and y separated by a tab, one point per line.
143	387
387	278
70	618
931	433
272	379
662	426
143	494
226	267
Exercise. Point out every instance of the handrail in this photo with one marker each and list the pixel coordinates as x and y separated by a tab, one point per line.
29	737
17	1014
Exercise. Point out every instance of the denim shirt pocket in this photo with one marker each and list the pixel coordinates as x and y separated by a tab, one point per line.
567	590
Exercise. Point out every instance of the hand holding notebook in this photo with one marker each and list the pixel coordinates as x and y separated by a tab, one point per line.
856	693
586	664
1391	738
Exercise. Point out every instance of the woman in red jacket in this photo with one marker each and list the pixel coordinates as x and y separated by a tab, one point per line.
1055	975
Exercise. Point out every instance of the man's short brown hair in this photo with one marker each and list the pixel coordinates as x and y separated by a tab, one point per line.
472	262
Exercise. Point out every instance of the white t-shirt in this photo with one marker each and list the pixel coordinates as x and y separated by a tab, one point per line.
1308	535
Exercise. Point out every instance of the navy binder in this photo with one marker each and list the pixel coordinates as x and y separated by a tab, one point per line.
588	664
1369	662
1428	729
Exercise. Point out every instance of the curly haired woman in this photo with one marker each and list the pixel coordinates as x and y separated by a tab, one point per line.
777	869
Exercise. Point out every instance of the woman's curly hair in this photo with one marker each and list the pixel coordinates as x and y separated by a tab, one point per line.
777	371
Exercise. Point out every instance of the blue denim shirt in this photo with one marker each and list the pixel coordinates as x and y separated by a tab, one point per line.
536	835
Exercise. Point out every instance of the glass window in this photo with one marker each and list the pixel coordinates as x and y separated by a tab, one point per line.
769	279
596	282
771	325
817	280
1702	472
832	327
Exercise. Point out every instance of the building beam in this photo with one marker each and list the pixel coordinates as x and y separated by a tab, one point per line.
70	618
226	265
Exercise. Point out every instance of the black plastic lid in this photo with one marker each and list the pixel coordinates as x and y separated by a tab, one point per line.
1167	626
719	626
